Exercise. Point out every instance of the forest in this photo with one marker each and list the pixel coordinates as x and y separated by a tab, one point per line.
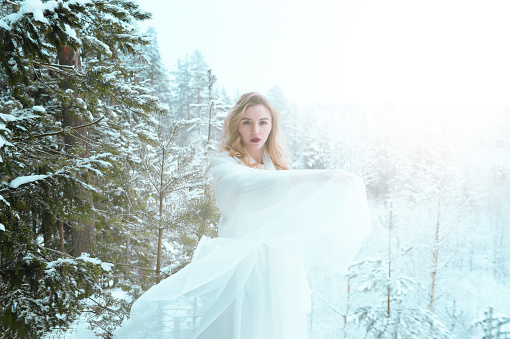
104	189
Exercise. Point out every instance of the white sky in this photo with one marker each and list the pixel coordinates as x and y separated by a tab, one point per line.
344	50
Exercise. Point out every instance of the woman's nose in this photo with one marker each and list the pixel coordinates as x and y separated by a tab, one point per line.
255	129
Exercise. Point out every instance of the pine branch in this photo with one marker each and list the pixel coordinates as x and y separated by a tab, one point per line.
59	68
184	187
61	131
141	268
7	2
106	308
63	254
100	325
328	304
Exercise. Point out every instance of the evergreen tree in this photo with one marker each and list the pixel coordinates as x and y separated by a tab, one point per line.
71	111
175	183
494	326
181	87
156	76
404	319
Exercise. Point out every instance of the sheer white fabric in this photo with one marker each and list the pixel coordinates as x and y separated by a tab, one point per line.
250	282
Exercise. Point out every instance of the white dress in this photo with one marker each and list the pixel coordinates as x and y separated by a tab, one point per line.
250	282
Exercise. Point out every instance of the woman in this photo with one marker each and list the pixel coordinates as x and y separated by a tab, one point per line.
250	282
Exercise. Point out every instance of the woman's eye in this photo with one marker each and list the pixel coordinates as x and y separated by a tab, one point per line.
263	122
246	122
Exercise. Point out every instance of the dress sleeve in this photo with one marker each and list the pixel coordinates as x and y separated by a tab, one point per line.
238	187
321	214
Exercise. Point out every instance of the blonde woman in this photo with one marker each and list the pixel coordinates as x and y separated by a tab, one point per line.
251	281
252	129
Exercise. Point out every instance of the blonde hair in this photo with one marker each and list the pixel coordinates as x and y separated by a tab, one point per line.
231	139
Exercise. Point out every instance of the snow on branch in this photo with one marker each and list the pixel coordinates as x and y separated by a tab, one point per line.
25	179
63	69
4	201
85	258
82	163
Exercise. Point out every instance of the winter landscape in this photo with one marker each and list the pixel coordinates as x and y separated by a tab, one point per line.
104	189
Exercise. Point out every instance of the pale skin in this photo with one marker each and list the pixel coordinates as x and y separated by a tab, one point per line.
254	129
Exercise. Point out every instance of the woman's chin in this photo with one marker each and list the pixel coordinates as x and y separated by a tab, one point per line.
254	147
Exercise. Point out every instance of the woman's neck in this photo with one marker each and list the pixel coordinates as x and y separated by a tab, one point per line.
256	155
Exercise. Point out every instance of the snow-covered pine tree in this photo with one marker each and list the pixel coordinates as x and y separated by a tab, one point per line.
199	84
175	181
276	96
308	137
62	128
218	108
156	76
494	326
191	83
498	205
181	87
405	319
198	104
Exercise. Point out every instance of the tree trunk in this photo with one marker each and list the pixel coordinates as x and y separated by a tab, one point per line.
199	115
69	57
390	227
34	220
158	264
61	232
211	79
84	238
435	253
180	116
199	103
210	117
60	221
46	227
161	197
348	301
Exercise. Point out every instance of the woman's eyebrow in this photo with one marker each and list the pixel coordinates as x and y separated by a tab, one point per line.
250	119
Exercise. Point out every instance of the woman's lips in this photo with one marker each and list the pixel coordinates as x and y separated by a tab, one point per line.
255	140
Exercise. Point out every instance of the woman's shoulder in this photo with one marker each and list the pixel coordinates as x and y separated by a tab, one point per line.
223	157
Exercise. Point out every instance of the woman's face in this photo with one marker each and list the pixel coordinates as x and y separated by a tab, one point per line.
255	127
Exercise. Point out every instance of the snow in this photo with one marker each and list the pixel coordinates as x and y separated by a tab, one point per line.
81	103
4	25
87	163
25	179
39	109
76	2
5	201
483	291
83	332
36	7
50	267
7	117
99	44
118	293
3	143
2	227
105	266
495	316
70	31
